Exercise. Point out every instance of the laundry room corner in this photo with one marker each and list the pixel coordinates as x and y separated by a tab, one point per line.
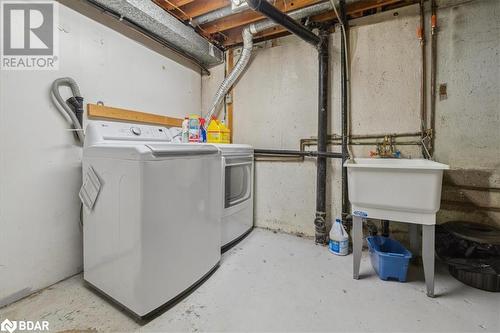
249	166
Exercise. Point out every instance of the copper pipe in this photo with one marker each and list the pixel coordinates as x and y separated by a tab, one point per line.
376	136
423	111
434	29
335	140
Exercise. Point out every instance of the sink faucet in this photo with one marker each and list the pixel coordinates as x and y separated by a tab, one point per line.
386	149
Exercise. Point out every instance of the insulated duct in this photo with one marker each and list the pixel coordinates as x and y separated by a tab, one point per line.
237	6
212	16
156	21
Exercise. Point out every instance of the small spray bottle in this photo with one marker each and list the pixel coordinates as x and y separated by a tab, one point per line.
203	131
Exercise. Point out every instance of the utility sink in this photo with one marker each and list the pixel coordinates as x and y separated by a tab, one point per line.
405	190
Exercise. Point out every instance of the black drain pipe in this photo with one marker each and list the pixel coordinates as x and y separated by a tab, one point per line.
274	14
305	153
319	222
344	98
321	44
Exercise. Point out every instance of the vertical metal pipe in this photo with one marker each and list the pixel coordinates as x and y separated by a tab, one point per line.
423	112
321	43
344	117
433	72
384	224
323	59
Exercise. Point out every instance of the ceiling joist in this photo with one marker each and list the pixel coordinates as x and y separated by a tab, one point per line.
226	31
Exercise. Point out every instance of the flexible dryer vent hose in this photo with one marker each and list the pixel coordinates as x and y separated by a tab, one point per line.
234	75
63	107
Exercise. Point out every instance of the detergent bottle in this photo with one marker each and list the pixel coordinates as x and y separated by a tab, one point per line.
194	128
339	240
214	134
225	132
185	130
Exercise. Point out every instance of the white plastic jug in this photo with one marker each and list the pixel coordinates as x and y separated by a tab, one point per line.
339	240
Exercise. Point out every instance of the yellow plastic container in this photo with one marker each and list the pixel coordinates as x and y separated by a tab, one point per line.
214	133
226	133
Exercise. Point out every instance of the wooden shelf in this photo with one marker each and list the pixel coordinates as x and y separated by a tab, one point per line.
107	112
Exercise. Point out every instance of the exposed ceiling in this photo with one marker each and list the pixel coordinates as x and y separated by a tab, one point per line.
226	31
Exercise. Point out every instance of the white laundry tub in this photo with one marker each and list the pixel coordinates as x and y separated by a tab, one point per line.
406	190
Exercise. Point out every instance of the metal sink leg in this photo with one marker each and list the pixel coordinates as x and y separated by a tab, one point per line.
428	257
357	244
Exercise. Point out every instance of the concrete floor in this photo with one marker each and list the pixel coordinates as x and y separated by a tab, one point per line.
278	282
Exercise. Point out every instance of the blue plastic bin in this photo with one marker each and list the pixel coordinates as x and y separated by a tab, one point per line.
389	258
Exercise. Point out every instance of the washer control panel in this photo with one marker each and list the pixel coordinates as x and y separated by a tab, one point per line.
135	130
100	131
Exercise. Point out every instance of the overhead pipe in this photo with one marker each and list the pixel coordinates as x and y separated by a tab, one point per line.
243	61
284	20
224	12
296	15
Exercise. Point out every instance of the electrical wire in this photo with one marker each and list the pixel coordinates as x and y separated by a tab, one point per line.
190	19
348	78
346	55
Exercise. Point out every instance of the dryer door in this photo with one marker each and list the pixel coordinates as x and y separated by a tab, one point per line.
238	180
237	218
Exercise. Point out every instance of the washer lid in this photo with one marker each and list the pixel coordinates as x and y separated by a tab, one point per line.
172	149
149	151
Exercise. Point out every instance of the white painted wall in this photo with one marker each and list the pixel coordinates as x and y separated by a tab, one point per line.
40	237
276	105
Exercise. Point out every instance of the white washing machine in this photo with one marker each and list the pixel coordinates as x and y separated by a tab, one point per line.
237	213
154	230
